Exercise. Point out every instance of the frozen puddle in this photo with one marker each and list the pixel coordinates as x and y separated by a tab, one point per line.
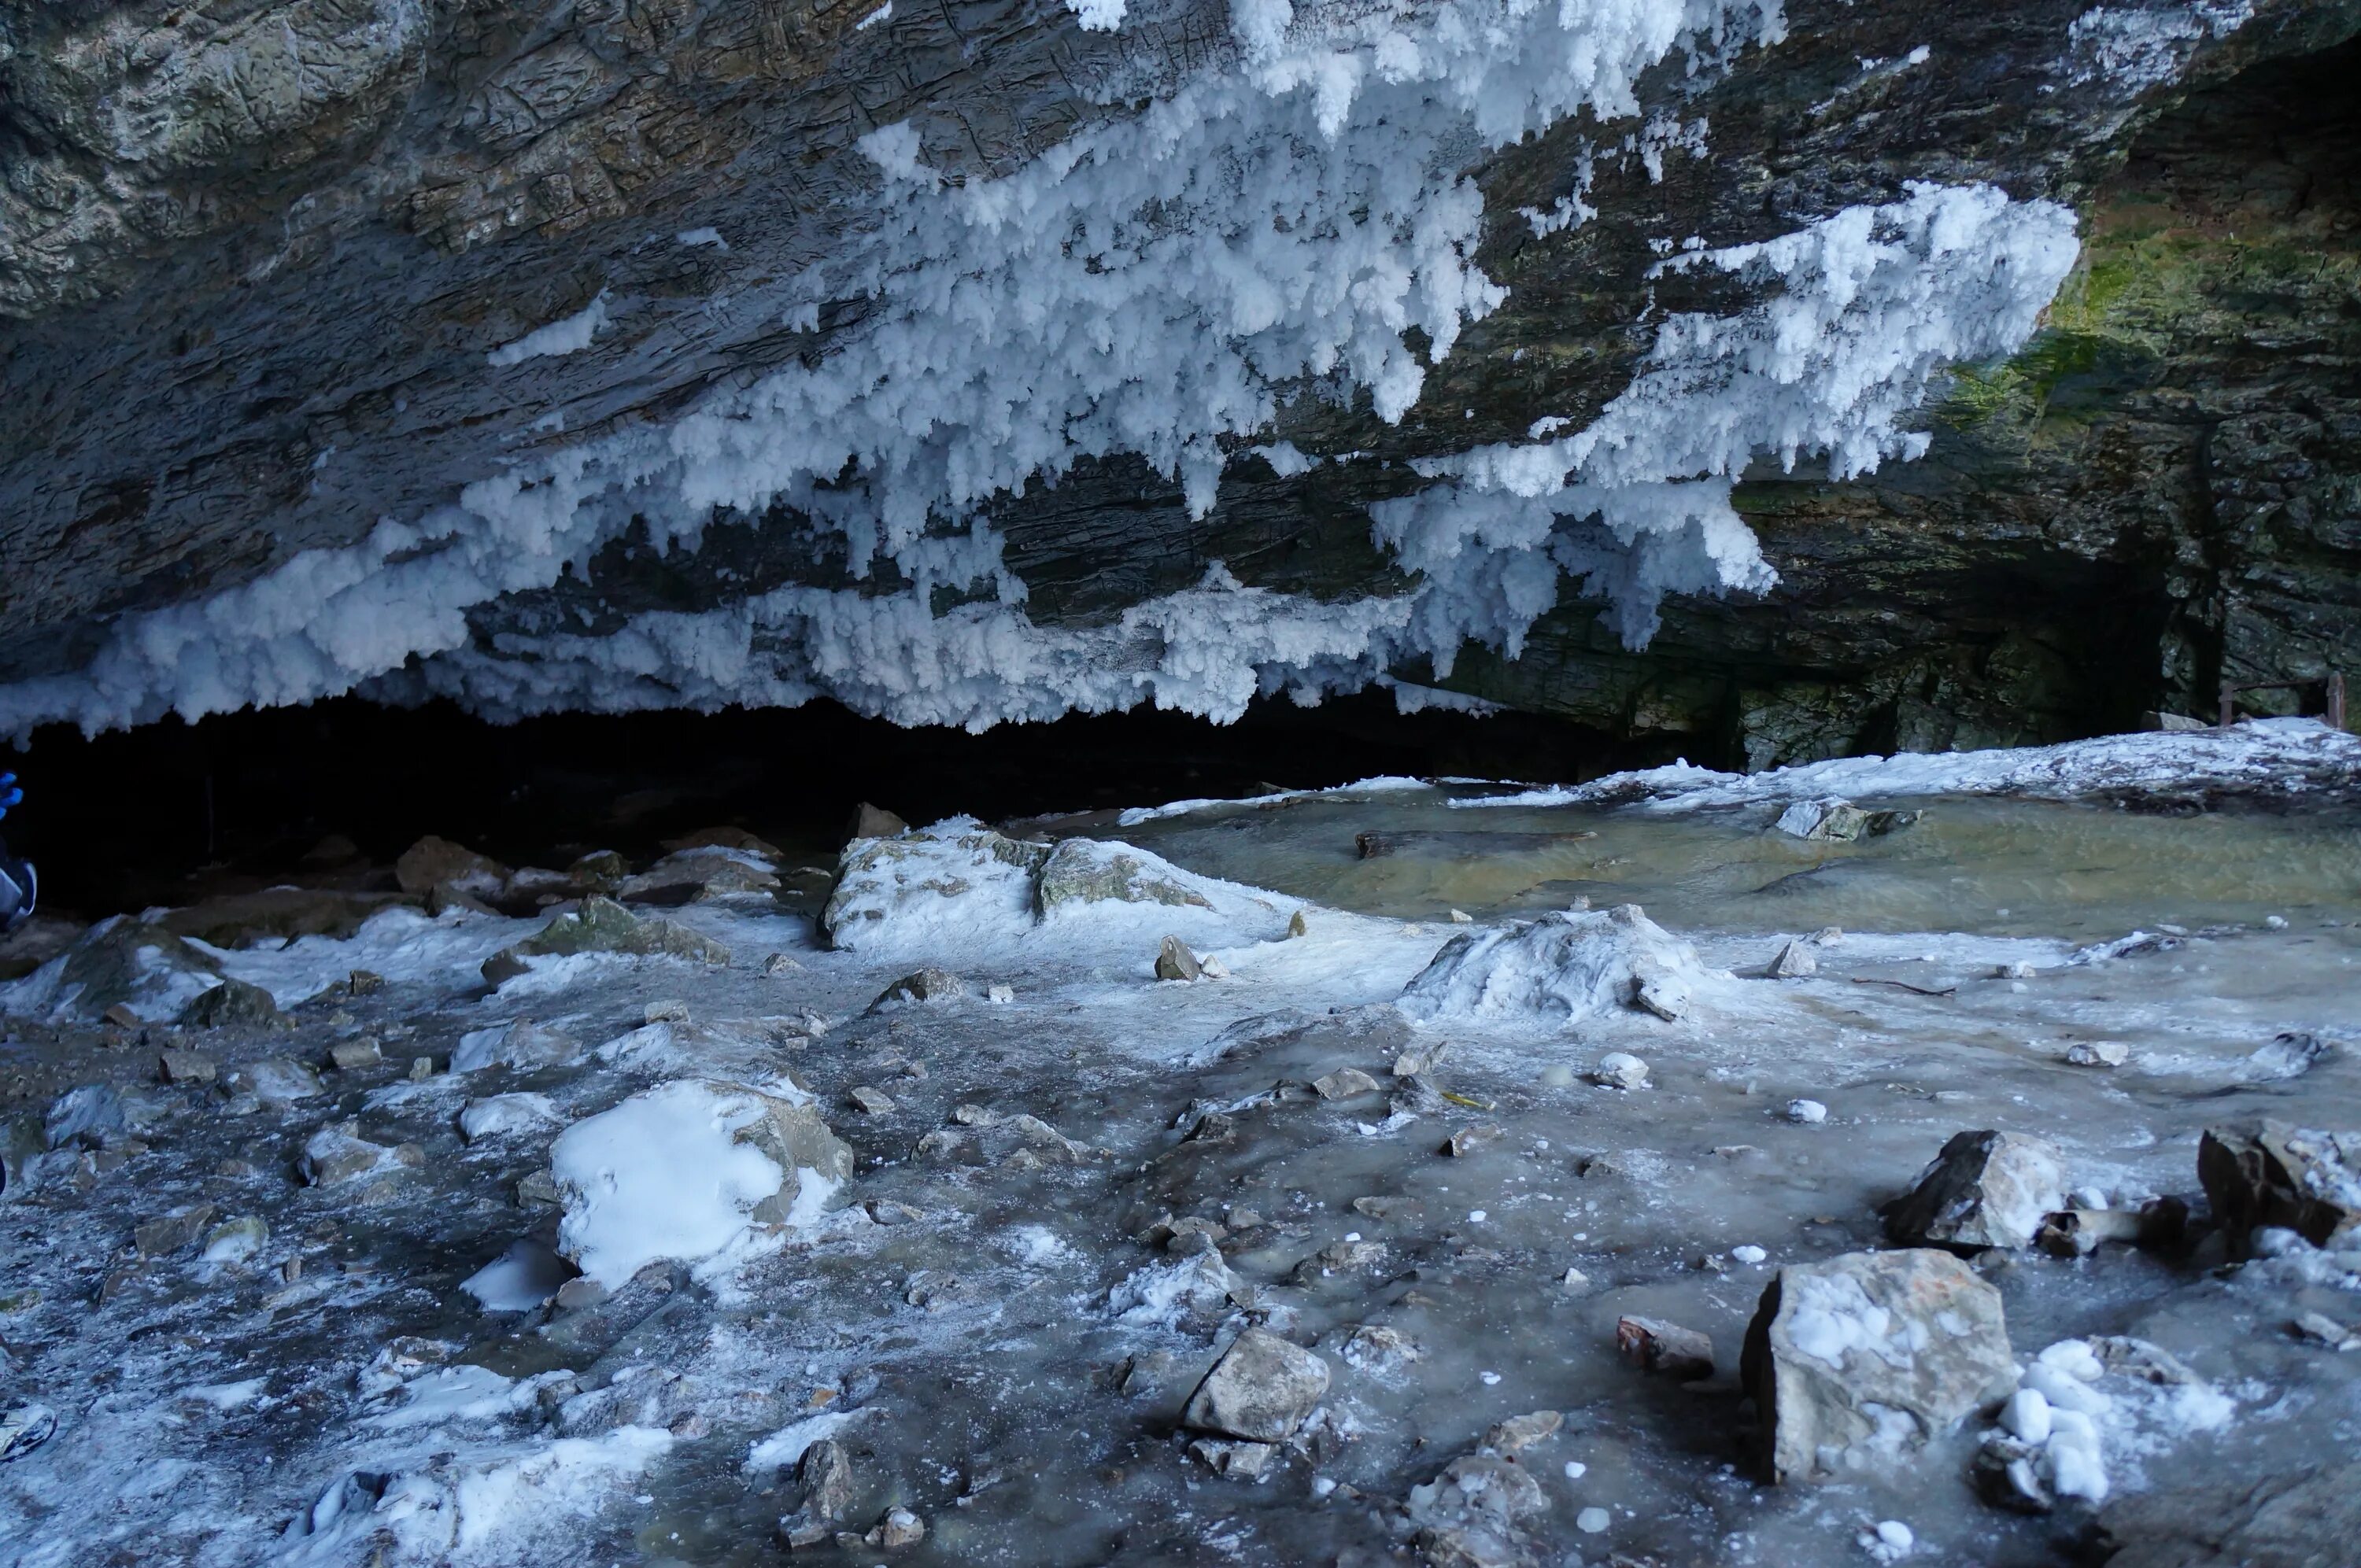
705	1256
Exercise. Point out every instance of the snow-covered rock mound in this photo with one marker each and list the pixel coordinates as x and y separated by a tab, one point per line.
960	888
1576	964
683	1170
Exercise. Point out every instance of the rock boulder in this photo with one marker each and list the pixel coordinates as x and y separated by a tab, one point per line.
1854	1362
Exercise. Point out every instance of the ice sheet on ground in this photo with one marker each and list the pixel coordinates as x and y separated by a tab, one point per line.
2287	754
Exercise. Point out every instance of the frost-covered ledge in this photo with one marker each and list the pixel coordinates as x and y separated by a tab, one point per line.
1271	263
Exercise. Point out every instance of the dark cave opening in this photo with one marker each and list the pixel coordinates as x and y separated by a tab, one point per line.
124	820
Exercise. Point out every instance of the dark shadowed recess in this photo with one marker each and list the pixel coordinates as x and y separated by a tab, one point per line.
168	811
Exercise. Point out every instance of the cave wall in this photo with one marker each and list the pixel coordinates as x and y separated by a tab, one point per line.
250	295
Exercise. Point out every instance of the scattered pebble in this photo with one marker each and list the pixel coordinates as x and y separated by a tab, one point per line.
1748	1253
1807	1111
1592	1521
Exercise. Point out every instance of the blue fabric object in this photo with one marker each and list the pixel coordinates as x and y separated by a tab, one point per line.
9	794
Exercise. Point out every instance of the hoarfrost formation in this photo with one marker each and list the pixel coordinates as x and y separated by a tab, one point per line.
1156	287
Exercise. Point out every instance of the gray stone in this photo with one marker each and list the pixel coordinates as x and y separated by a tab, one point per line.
1421	1056
1232	1460
1794	963
232	1003
921	985
1259	1390
1082	870
168	1235
353	1056
874	1102
824	1474
274	1081
1854	1362
1175	961
1345	1084
181	1066
1985	1189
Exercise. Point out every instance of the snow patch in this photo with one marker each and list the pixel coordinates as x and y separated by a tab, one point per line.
661	1176
567	335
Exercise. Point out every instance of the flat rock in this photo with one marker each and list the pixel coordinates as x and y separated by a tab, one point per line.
1259	1390
178	1064
1856	1361
1985	1189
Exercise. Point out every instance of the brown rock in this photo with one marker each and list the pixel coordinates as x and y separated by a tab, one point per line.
1654	1345
434	863
2275	1174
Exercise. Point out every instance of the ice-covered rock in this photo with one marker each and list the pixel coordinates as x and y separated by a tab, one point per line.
1985	1189
1855	1361
498	1113
2274	1174
683	1170
120	962
521	1042
938	889
958	887
1620	1069
602	926
1084	870
1175	961
1259	1390
337	1154
1568	965
710	871
1831	818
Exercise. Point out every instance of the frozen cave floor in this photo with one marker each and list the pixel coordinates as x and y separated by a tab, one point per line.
233	1327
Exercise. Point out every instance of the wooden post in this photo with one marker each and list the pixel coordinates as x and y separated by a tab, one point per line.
2337	699
2229	704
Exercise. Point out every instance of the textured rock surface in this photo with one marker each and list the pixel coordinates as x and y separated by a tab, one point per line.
1854	1362
1985	1189
253	261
